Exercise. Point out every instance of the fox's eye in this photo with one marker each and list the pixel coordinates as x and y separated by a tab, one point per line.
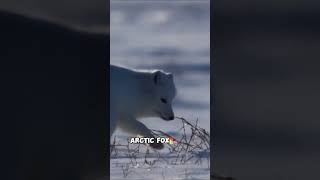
163	100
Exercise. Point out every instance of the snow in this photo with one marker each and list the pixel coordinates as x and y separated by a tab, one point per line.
173	36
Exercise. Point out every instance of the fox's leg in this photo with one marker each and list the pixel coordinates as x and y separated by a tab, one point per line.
133	126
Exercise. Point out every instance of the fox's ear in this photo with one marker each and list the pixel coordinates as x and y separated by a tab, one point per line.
156	77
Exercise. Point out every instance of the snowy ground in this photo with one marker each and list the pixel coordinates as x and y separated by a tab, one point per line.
173	36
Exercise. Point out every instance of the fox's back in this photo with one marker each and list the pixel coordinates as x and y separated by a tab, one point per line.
123	85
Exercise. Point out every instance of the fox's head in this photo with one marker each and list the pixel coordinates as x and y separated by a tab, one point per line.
164	93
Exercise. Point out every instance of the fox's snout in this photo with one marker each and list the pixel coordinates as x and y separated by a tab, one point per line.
168	118
171	118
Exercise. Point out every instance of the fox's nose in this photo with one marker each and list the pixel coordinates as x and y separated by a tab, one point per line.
171	118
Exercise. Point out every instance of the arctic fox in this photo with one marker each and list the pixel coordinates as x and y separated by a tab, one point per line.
138	94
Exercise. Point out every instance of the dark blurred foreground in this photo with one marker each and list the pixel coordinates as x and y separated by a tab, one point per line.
267	90
85	13
53	98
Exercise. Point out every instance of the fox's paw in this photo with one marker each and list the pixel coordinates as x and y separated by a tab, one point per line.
158	146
